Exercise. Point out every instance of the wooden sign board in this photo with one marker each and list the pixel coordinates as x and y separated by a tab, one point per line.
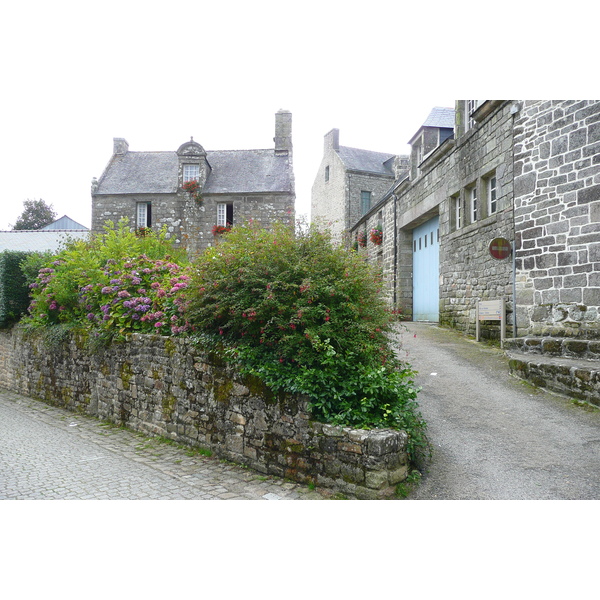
491	310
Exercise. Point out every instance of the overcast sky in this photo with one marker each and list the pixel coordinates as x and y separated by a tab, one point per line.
77	74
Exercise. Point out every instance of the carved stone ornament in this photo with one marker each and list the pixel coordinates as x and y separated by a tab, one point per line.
191	148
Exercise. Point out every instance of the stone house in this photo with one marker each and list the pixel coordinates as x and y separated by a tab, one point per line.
524	171
348	183
153	189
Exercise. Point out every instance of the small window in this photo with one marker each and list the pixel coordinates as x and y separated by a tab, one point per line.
473	204
492	193
414	245
458	215
225	214
365	202
144	214
191	172
327	173
470	107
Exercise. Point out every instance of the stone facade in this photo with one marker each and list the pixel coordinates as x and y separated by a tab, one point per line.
557	217
164	386
539	162
234	186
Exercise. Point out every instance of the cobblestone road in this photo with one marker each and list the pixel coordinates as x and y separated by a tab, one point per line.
50	453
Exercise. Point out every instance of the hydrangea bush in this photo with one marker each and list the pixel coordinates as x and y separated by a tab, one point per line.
116	283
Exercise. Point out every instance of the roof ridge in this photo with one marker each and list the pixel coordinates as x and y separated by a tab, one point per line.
364	150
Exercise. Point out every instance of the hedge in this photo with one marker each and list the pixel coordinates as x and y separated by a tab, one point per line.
14	291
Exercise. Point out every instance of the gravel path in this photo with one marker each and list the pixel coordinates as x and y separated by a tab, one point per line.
495	437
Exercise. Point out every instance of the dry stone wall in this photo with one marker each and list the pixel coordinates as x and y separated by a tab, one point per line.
164	386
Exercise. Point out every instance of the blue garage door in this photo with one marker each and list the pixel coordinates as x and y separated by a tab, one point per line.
426	271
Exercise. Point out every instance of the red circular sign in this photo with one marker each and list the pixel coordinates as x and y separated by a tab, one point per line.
500	248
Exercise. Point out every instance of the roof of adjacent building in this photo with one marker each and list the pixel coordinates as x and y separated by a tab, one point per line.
232	171
38	241
440	117
366	160
64	223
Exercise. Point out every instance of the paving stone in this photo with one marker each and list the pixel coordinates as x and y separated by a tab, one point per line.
50	453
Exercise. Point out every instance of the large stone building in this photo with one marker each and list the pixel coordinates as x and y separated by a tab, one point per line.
152	189
523	171
349	181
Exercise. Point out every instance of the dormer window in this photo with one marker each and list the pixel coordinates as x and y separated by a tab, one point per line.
191	172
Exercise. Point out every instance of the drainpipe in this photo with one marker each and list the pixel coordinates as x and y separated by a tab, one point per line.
514	290
395	251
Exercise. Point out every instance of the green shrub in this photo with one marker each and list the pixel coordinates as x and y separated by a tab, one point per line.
116	283
306	316
14	293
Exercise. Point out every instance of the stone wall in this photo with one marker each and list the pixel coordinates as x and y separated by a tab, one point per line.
557	217
164	386
329	190
262	208
358	182
188	223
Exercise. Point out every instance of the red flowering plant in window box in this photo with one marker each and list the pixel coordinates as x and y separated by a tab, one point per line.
192	187
143	231
361	238
376	235
219	229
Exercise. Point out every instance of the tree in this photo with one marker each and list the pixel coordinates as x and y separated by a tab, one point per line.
35	215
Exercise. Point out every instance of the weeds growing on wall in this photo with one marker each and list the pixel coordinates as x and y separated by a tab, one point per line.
306	316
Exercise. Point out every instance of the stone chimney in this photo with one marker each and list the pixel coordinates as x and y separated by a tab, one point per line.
120	146
332	140
283	132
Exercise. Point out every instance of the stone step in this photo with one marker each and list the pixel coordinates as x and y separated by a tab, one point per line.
570	376
555	347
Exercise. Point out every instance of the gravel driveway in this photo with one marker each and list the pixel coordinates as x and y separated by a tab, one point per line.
495	437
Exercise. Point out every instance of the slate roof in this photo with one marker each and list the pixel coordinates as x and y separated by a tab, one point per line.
233	171
140	173
248	171
37	241
366	160
440	117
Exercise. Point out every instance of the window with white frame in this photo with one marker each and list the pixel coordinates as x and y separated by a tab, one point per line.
327	173
492	195
458	214
225	214
473	204
144	214
191	172
470	107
